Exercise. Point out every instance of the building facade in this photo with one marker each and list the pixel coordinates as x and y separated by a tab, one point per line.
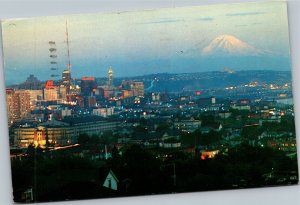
18	104
132	88
60	133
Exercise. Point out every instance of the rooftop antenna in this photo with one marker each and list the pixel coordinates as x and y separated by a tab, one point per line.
53	57
68	47
67	73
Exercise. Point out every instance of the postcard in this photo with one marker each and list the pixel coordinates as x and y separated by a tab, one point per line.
150	102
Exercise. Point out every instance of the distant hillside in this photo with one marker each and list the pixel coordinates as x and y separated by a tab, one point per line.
193	81
206	80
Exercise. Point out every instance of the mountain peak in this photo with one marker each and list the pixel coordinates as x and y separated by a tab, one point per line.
229	45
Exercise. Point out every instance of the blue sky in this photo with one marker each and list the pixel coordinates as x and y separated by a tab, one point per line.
138	43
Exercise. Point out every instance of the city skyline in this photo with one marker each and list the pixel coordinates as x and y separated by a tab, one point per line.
131	103
139	43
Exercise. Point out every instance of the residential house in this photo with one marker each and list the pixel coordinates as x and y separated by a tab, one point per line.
111	181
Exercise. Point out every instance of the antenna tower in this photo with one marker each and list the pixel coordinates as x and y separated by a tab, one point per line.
68	47
53	59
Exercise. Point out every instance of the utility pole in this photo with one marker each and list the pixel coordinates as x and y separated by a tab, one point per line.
174	174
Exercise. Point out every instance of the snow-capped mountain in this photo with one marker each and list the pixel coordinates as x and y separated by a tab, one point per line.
229	45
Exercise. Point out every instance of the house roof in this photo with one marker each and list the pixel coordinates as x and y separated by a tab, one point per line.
149	136
234	126
82	119
212	126
54	123
113	174
104	172
172	132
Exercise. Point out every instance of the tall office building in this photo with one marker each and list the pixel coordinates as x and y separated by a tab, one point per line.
66	80
63	92
31	83
88	86
50	91
132	88
18	104
138	89
110	77
35	96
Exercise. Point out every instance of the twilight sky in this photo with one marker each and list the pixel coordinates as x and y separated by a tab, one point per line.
154	41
